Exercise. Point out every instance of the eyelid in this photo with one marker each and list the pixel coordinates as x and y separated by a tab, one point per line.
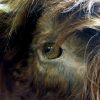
51	51
38	46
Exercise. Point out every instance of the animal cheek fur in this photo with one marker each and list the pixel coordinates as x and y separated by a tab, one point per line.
50	79
55	81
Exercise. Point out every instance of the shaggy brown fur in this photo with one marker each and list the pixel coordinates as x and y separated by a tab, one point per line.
49	50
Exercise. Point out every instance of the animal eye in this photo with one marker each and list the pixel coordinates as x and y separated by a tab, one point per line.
51	52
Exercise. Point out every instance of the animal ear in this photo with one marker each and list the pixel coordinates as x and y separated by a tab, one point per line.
95	11
93	46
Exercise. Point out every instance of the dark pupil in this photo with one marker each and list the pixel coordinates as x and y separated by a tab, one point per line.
51	52
47	48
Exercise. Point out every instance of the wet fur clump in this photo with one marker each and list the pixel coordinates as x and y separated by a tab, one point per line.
49	50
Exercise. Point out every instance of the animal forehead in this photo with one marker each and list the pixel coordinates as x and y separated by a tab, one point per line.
50	24
80	12
62	13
